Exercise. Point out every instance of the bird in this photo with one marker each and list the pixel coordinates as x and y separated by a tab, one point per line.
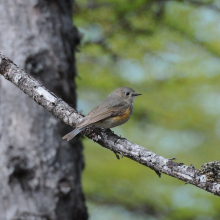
115	110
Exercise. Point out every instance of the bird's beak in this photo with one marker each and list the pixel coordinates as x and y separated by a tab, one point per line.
136	94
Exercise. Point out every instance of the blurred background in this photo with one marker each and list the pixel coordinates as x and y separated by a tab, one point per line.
170	52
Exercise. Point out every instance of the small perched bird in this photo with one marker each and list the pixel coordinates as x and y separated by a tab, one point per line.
115	110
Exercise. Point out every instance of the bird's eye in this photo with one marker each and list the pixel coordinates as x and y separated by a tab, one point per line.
127	93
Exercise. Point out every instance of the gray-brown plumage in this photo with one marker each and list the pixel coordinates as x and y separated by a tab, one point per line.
115	110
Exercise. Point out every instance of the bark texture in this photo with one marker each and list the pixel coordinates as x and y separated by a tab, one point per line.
207	178
40	174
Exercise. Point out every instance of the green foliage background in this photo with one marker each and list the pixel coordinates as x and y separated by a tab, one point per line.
170	52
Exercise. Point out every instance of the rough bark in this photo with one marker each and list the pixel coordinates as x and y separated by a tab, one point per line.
40	174
207	178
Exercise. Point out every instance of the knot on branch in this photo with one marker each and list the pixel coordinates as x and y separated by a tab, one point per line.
211	170
4	65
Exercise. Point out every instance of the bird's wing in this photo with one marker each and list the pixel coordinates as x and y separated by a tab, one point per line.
103	112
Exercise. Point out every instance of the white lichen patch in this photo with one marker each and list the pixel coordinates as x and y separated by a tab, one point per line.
43	92
202	179
17	78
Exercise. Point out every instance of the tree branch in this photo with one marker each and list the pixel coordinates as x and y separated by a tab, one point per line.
104	137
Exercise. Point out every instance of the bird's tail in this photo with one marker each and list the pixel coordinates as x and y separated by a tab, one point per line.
73	133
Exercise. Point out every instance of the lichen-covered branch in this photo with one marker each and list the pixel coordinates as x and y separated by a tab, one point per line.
104	137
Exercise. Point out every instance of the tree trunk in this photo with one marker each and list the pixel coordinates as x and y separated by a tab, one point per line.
40	173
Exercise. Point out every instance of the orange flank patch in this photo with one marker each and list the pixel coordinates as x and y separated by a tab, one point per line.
123	117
